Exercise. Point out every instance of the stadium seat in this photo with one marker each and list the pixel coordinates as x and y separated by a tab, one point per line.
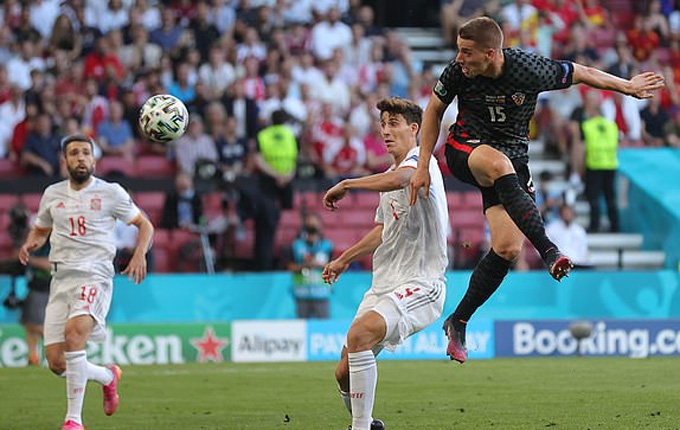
162	260
32	201
109	165
284	238
7	201
366	200
161	238
473	200
331	218
150	199
154	166
4	220
291	218
10	169
455	199
212	204
360	218
464	218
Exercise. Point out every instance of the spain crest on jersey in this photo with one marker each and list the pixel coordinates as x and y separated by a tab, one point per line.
96	204
518	98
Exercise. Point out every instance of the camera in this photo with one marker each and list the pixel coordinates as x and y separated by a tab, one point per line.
18	223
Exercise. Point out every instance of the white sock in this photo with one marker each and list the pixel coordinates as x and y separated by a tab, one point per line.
363	377
99	374
345	398
76	380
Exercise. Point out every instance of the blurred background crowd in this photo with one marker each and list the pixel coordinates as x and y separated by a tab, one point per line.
282	97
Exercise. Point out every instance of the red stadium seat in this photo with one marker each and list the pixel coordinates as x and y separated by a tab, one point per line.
4	221
162	260
162	238
32	201
110	165
243	247
10	169
455	199
291	218
360	218
154	166
464	218
7	201
366	200
473	200
150	199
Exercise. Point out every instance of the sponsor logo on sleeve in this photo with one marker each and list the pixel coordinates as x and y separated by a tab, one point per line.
440	90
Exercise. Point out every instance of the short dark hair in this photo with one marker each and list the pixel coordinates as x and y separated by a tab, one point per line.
75	138
484	31
398	105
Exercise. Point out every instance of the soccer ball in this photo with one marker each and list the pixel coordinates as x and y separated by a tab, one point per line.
163	118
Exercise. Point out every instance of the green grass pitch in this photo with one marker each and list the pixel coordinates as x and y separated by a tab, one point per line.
559	393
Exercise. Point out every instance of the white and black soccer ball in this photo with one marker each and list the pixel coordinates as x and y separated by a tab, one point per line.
163	118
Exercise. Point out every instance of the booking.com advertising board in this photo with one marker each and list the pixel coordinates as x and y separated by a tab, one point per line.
253	341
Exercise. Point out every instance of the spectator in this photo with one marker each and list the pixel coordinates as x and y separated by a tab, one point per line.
19	67
115	134
204	31
454	13
42	150
183	206
65	38
244	109
12	112
167	36
140	55
569	236
328	34
672	131
113	17
100	60
195	146
310	252
654	119
181	87
217	74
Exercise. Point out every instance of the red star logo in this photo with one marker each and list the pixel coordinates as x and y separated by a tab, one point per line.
209	346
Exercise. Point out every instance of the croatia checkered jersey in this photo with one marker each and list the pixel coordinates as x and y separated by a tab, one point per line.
413	247
83	223
497	111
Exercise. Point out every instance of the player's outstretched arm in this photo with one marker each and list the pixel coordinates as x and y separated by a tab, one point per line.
363	247
641	86
387	181
35	239
432	120
136	269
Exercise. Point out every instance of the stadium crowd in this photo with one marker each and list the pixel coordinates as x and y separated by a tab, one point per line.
88	65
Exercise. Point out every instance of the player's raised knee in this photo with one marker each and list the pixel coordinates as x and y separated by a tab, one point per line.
508	252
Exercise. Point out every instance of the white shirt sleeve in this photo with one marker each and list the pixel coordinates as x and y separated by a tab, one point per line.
44	218
124	208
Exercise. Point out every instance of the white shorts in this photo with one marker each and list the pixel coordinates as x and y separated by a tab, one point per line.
406	310
74	293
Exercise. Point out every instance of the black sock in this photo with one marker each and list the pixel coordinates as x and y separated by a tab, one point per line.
523	211
485	279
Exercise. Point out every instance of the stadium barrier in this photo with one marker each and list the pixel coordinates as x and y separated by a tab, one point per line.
250	318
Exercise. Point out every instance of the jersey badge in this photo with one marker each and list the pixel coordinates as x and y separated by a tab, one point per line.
439	89
519	98
96	204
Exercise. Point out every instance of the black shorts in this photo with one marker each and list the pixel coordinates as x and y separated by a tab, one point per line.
457	154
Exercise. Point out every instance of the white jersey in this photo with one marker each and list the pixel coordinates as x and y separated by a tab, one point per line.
83	224
413	247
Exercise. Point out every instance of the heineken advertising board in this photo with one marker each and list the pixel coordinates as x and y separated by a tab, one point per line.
137	344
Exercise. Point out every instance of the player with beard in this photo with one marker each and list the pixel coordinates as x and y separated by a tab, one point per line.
78	215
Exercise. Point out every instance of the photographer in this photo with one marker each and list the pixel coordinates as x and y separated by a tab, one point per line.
37	279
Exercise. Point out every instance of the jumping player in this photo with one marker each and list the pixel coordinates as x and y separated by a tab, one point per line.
487	147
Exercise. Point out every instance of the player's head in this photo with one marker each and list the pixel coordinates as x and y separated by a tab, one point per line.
78	152
400	121
480	42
